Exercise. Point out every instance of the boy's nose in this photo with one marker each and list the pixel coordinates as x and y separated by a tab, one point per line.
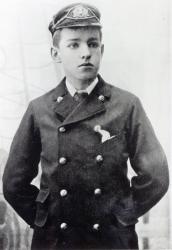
85	52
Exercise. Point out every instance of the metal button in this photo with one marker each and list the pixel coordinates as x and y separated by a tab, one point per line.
97	191
101	98
63	192
96	227
62	129
63	226
59	99
62	160
99	158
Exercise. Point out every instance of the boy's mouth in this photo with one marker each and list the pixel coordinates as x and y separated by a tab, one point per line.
86	65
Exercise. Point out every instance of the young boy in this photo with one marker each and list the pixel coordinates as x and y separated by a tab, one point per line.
83	132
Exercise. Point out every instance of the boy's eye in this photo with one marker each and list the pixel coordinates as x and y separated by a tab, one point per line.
93	45
73	45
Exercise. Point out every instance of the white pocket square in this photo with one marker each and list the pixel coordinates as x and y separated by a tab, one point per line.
105	135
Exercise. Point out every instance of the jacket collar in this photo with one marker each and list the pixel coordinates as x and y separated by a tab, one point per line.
65	106
60	90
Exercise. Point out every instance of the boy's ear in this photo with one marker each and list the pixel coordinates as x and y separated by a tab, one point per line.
55	55
102	49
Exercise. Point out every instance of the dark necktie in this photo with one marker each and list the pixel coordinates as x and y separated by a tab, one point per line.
80	96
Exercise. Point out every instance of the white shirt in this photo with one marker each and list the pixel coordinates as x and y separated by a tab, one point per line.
89	89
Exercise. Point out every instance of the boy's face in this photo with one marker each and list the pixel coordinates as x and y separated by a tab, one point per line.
80	51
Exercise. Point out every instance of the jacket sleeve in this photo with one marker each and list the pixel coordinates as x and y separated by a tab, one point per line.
22	168
148	160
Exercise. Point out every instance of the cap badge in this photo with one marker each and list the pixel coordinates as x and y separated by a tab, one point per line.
80	12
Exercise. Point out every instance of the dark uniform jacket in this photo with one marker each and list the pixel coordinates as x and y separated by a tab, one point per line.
85	199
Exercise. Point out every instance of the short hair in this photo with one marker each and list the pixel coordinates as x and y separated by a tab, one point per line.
57	34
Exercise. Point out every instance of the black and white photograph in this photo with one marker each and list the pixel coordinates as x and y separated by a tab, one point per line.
85	125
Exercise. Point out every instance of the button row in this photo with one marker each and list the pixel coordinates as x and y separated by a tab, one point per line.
97	128
64	192
64	226
100	98
63	160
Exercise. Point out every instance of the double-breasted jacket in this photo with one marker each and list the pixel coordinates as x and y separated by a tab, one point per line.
86	199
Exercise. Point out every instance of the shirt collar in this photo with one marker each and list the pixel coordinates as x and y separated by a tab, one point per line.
89	89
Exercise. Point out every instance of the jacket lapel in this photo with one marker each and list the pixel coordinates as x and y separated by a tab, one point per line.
70	112
63	103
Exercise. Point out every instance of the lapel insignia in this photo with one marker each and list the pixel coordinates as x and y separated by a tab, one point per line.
101	98
59	99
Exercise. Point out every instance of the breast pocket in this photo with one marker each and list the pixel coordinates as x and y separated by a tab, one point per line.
116	147
42	208
115	137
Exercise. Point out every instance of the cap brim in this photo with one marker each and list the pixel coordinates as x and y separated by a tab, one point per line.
79	25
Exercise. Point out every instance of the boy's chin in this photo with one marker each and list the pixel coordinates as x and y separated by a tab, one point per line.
88	76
